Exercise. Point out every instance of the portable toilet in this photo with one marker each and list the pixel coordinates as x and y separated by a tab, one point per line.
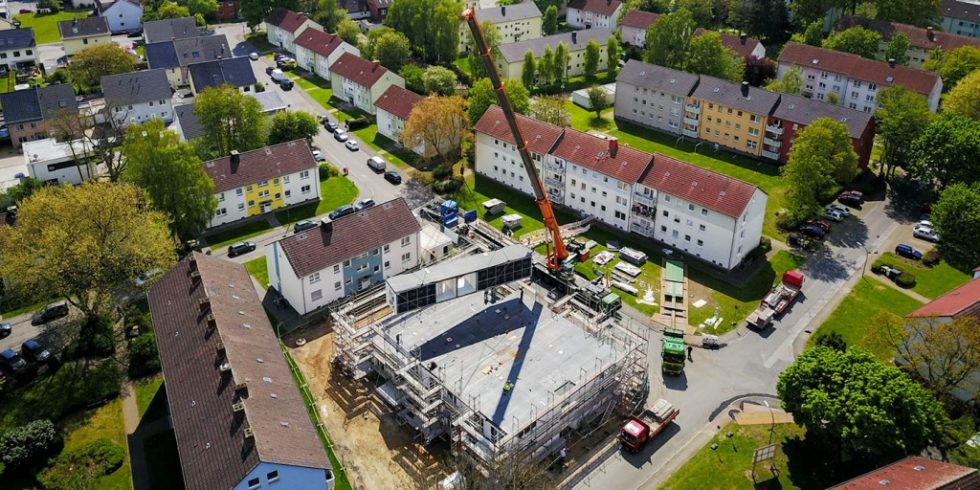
470	216
449	207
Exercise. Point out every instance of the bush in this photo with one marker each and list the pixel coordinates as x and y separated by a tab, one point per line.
327	171
29	443
259	87
60	75
359	122
82	467
96	338
930	258
832	340
423	178
448	186
905	280
442	172
143	356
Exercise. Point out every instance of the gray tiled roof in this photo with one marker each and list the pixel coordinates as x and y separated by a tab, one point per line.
136	87
739	96
236	72
170	29
576	41
34	104
78	28
190	125
16	39
517	11
803	110
161	55
183	52
655	77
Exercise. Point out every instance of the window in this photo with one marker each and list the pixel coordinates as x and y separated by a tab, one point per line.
700	227
406	240
690	207
251	204
346	263
241	206
620	215
387	264
249	188
288	193
221	212
700	243
666	199
238	191
304	174
314	278
285	179
687	238
704	212
663	229
254	483
221	197
406	257
316	295
272	476
305	189
263	183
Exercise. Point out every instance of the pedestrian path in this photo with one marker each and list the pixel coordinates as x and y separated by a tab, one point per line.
908	292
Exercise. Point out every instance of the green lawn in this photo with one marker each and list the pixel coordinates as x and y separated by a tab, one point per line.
852	317
20	310
398	157
146	390
103	422
930	282
46	25
259	270
649	278
260	42
464	65
228	236
584	119
163	461
334	192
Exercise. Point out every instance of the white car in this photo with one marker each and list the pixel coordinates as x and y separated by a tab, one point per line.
925	233
833	215
840	208
352	145
318	156
924	224
253	56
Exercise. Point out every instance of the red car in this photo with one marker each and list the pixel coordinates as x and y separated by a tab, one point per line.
822	223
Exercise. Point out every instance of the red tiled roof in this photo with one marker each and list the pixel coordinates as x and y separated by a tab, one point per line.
960	301
701	186
858	68
583	149
286	19
639	19
318	41
734	42
601	7
915	473
261	164
918	36
398	101
540	136
358	70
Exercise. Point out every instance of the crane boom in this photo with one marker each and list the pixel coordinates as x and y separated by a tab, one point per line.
560	253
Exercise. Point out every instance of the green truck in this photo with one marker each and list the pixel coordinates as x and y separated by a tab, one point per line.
673	351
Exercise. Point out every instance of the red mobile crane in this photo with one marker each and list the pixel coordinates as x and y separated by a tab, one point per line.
556	257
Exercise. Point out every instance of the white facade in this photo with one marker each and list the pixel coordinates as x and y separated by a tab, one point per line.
595	194
285	39
856	94
361	96
144	111
650	108
390	126
583	19
276	475
236	204
11	57
634	36
123	16
309	60
53	162
510	31
500	161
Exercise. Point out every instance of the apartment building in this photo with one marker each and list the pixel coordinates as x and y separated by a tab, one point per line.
654	96
123	15
282	26
361	82
177	55
634	27
236	72
227	10
922	39
729	115
514	23
392	109
854	79
317	50
263	180
28	112
793	113
961	17
589	14
341	257
510	63
138	96
78	34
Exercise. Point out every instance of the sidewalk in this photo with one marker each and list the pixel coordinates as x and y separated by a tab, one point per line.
908	292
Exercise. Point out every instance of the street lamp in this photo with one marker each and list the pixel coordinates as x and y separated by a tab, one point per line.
772	418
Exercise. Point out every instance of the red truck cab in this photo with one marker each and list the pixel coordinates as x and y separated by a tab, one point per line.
638	431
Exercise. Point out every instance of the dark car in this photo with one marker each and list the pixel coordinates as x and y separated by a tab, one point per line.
304	225
269	69
286	84
240	248
853	199
5	329
50	312
393	177
341	211
822	223
813	231
135	33
12	360
889	272
908	252
35	351
330	125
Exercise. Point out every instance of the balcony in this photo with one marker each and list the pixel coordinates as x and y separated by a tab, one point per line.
777	130
642	227
645	200
553	182
693	109
770	155
691	122
554	167
690	133
771	142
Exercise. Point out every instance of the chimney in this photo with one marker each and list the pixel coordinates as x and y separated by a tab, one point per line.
377	64
613	146
235	161
931	34
742	37
891	62
745	89
503	10
327	225
204	304
574	37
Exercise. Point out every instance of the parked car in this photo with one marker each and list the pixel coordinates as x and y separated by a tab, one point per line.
851	198
822	223
236	249
843	209
135	33
253	56
5	329
376	163
889	272
287	84
50	312
318	156
363	204
341	211
834	215
813	231
393	177
304	225
12	360
279	57
352	145
924	224
800	241
926	233
269	70
35	351
906	250
340	135
330	126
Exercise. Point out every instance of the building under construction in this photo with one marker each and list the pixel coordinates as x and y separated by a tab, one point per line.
472	351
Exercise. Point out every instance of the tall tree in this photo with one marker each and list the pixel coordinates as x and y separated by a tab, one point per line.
964	98
171	174
492	37
551	109
862	409
529	74
598	100
439	80
292	125
482	96
790	83
231	120
438	122
592	54
902	115
954	64
957	218
207	8
89	65
821	155
701	10
946	151
549	24
561	63
432	27
915	12
255	11
349	31
613	50
667	39
547	66
767	19
329	14
392	50
758	71
898	49
84	243
813	34
170	10
707	55
367	43
808	11
856	40
99	142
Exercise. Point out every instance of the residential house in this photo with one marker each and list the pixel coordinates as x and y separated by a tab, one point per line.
514	23
915	472
282	26
175	56
123	15
188	127
236	72
705	214
317	50
78	34
378	9
28	112
341	257
360	9
393	109
743	45
263	180
228	10
82	4
169	29
729	114
854	79
56	162
653	96
510	63
634	27
588	14
794	112
137	97
239	419
17	48
922	39
961	17
361	82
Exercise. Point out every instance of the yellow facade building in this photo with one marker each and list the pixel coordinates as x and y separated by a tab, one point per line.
729	115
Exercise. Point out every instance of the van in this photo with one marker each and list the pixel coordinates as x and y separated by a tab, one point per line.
278	75
376	163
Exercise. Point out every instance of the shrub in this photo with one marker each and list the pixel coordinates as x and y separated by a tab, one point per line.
359	122
442	172
82	467
423	178
143	356
448	186
832	340
29	443
905	280
327	171
259	87
930	258
60	75
96	338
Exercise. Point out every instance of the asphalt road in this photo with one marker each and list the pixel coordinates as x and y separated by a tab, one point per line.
752	362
